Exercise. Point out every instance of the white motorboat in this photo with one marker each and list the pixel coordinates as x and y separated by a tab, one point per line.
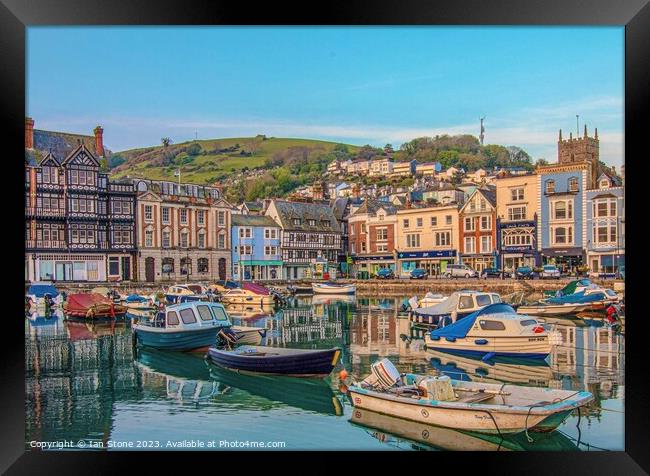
468	406
431	299
458	305
330	288
496	330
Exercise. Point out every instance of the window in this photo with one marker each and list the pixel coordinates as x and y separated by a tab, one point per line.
486	244
406	223
486	223
200	240
270	250
492	325
166	239
202	265
604	208
221	218
148	213
434	221
183	216
221	241
465	302
270	233
470	244
419	222
605	232
483	300
297	221
363	246
413	240
219	314
443	238
204	313
517	239
448	219
168	265
187	315
382	234
517	194
382	247
186	266
604	183
200	217
312	222
573	184
165	215
550	186
184	239
516	213
483	204
113	266
562	235
469	224
148	238
172	318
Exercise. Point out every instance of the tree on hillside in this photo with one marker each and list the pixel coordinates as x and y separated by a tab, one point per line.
540	162
253	145
166	141
194	149
368	152
457	178
388	149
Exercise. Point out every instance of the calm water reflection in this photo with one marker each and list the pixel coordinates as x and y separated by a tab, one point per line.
84	382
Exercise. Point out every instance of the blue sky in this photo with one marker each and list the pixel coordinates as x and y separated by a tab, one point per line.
357	84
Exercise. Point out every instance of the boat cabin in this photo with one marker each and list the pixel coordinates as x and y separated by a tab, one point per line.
191	315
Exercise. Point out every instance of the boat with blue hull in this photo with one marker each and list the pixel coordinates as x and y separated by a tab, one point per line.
277	361
591	299
183	327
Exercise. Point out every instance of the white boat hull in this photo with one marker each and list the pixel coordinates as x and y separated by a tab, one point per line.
248	335
551	309
515	346
261	301
342	289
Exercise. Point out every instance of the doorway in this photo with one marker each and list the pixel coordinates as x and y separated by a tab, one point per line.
149	269
126	268
222	269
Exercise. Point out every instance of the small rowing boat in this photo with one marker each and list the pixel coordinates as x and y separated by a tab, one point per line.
277	361
467	406
92	306
331	288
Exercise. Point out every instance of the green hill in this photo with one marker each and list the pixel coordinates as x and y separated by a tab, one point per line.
208	161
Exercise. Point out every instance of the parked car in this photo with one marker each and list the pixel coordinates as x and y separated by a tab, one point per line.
385	273
494	273
621	272
418	273
550	271
460	271
525	272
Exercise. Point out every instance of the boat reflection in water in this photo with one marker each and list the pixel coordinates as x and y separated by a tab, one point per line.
529	372
405	433
313	395
184	376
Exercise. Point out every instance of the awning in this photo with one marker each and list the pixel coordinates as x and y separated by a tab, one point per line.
574	251
260	263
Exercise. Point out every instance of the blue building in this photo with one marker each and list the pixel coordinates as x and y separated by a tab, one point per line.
562	221
606	226
256	253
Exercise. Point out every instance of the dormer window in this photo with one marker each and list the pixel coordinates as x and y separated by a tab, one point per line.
604	183
550	186
296	221
573	184
312	222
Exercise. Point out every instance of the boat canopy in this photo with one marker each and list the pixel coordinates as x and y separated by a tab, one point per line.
461	327
40	290
447	306
256	288
135	298
227	284
578	298
83	302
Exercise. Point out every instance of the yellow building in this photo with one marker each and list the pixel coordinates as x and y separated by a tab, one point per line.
517	213
427	238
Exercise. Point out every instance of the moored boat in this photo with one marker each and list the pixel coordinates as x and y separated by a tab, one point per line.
186	293
92	306
468	406
277	361
458	305
248	335
495	330
182	327
569	304
331	288
137	302
40	292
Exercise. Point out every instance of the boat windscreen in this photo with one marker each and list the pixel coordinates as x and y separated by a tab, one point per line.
219	313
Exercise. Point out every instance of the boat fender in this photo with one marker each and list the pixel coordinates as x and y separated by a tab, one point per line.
450	339
481	372
538	329
435	337
480	341
488	356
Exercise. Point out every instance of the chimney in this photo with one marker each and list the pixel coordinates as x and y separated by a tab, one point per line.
99	141
29	133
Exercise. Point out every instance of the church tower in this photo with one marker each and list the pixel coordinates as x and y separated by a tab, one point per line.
580	150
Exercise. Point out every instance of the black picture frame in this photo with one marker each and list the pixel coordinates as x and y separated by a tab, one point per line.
16	15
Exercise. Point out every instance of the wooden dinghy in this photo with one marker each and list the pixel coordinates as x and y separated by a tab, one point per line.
468	406
330	288
92	306
277	361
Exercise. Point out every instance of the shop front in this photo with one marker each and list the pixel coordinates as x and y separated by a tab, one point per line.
372	264
434	262
518	245
479	262
253	270
606	264
567	260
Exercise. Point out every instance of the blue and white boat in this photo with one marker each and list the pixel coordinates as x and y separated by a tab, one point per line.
593	299
186	293
38	290
494	331
137	302
183	327
458	305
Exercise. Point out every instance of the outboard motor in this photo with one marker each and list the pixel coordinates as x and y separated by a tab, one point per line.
227	337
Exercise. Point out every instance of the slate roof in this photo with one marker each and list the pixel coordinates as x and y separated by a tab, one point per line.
288	211
253	220
371	207
60	145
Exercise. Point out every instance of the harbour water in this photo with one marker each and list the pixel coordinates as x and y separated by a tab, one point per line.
87	388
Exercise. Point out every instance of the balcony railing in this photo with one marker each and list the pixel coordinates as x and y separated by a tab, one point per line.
46	244
45	212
